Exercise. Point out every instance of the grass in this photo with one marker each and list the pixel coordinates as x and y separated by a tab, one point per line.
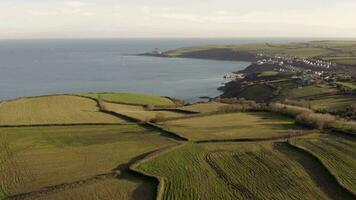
338	154
341	59
234	171
333	103
342	52
33	158
347	84
268	73
232	126
306	92
139	112
53	110
186	175
204	107
133	98
106	189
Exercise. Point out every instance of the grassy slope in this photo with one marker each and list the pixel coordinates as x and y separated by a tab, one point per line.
139	112
342	52
133	98
321	97
32	158
261	172
337	154
347	84
232	126
53	110
187	175
333	102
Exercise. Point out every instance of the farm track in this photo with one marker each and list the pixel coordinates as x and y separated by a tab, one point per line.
221	174
317	171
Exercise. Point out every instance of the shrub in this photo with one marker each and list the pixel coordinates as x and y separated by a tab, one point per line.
101	104
236	105
315	120
159	117
300	103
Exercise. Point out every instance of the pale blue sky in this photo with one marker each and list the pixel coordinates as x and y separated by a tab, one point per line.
176	18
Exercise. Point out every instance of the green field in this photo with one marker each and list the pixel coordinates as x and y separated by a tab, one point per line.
59	109
233	126
239	171
333	103
33	158
338	154
204	107
132	98
268	73
233	155
347	84
139	112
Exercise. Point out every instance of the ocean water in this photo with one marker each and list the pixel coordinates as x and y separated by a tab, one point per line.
39	67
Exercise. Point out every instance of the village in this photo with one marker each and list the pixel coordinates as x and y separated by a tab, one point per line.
303	71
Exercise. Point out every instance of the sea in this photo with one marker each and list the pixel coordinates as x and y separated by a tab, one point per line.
56	66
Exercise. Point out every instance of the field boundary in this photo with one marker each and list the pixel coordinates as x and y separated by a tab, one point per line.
124	103
283	137
63	186
333	175
59	125
153	155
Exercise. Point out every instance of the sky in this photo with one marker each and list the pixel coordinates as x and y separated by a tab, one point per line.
176	18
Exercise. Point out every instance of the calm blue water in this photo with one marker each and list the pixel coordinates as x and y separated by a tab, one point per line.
38	67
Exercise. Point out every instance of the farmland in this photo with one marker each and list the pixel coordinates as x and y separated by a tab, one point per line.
60	109
139	112
239	171
337	153
233	126
204	107
33	158
132	98
342	52
130	150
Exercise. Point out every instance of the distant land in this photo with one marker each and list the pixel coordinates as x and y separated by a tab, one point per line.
321	74
342	53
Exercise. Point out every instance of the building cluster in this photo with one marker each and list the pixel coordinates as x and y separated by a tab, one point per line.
310	71
233	76
292	61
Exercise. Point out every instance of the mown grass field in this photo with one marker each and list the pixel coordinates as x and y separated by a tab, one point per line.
238	171
337	153
53	110
132	98
233	126
139	112
37	157
333	103
204	107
